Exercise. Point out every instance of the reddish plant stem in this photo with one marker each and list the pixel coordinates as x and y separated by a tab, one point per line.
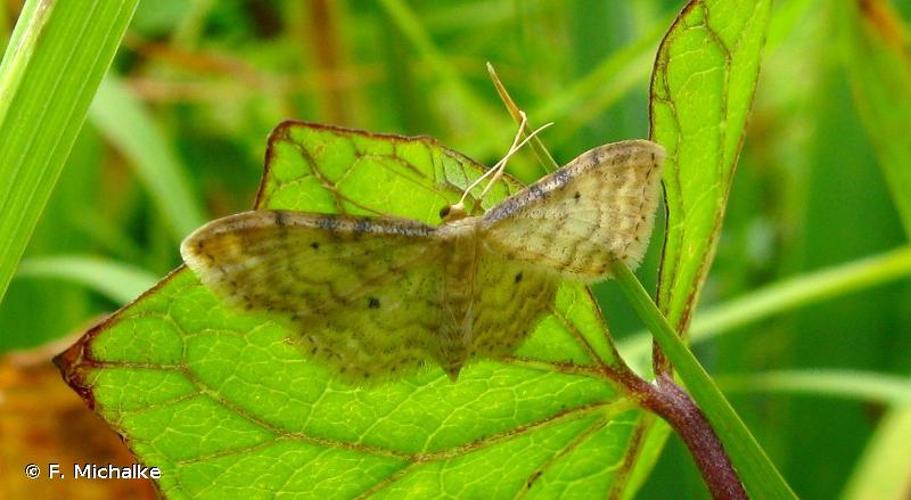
676	407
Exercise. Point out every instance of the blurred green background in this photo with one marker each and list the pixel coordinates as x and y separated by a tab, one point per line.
177	134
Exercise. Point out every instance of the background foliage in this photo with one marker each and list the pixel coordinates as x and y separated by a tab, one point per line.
197	86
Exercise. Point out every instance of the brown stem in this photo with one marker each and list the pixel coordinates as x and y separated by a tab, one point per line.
660	362
674	405
326	44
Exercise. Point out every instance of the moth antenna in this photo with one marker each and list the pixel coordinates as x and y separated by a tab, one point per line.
501	165
497	170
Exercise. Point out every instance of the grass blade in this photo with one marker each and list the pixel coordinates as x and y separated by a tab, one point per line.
759	475
56	58
848	384
125	123
883	471
118	281
786	295
879	64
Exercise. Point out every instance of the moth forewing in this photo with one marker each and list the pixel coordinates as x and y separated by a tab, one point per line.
599	207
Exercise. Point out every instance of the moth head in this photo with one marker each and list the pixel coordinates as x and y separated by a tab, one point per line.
452	213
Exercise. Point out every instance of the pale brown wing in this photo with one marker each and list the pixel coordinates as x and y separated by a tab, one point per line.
600	206
362	294
511	297
491	303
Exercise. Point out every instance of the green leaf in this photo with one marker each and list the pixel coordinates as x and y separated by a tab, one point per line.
225	406
702	89
879	64
55	59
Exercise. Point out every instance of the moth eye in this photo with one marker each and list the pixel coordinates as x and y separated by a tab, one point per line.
445	211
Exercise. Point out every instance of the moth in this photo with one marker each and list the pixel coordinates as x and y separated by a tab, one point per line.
377	298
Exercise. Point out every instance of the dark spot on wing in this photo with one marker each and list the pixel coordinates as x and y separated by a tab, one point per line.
314	245
577	196
519	277
279	218
373	303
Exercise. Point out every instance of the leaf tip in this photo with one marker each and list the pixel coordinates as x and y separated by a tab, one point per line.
71	364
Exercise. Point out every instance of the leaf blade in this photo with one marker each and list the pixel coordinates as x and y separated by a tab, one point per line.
702	88
235	372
